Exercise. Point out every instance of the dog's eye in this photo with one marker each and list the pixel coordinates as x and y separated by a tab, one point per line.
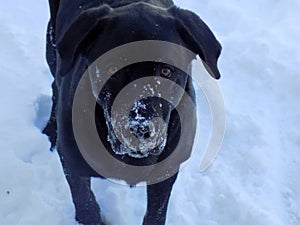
166	71
112	69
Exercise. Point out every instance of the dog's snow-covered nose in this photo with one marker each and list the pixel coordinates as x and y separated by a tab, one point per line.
140	129
140	124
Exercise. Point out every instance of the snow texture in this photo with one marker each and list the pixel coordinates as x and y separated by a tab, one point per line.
254	180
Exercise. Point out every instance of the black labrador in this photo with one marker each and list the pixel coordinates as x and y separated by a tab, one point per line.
78	33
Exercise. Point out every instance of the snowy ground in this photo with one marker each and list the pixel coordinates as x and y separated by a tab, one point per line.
255	179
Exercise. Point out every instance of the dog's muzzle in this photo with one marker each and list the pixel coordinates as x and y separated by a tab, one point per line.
144	133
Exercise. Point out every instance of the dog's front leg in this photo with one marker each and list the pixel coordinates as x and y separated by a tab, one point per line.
87	209
157	201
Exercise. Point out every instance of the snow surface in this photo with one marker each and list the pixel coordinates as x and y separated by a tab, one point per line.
254	180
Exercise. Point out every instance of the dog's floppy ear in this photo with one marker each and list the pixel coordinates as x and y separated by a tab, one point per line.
69	43
199	38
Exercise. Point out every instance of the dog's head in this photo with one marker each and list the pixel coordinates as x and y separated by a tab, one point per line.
150	119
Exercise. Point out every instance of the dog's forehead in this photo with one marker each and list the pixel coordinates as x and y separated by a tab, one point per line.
132	24
144	24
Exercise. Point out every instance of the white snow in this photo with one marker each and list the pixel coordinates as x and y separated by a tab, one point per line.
254	180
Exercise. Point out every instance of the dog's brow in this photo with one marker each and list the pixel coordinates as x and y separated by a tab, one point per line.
140	4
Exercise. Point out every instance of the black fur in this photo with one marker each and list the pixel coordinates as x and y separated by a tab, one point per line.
78	32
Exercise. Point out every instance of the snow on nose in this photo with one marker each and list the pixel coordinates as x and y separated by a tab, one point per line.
140	129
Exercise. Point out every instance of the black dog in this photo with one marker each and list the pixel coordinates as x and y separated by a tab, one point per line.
78	33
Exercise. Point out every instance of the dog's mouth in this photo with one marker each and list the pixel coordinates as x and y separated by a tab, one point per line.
136	135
